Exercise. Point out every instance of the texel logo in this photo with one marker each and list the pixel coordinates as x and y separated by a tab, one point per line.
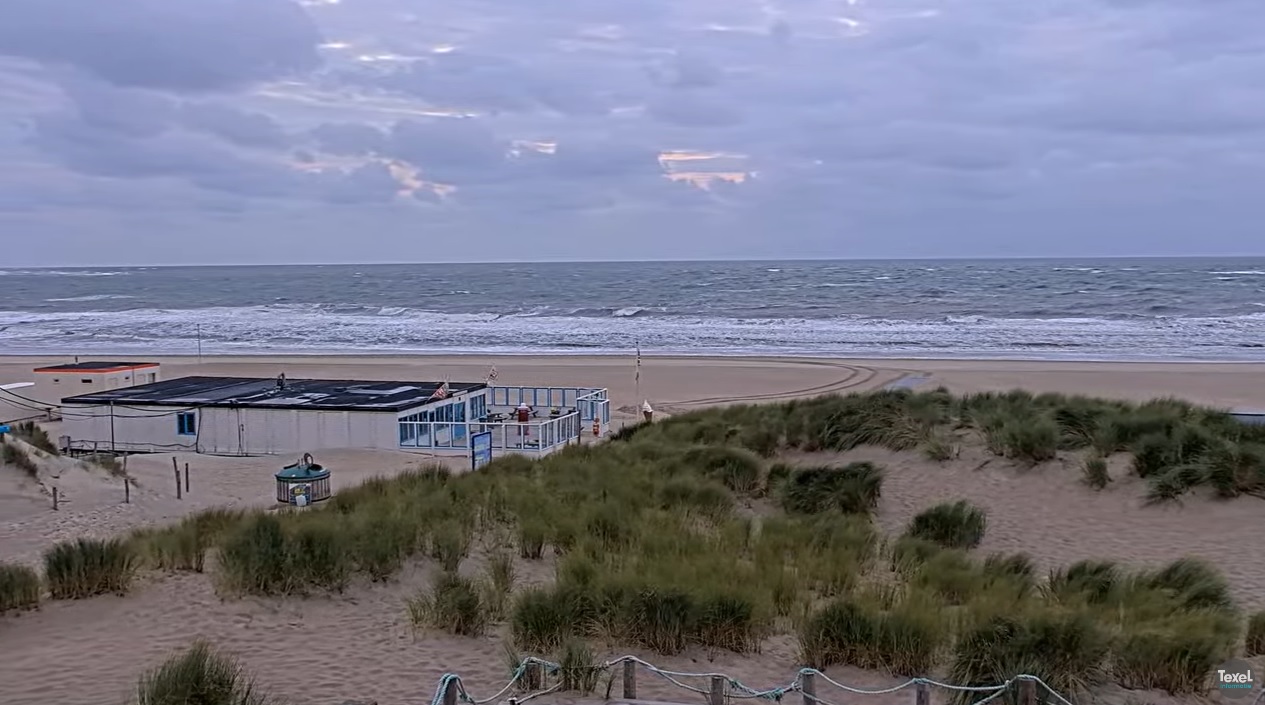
1234	679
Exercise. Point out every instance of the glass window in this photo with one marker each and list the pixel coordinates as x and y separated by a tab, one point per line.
186	424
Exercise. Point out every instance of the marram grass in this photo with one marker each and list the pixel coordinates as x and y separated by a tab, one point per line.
202	675
655	544
20	588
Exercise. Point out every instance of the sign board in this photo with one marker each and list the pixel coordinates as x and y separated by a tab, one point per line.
480	449
300	495
3	429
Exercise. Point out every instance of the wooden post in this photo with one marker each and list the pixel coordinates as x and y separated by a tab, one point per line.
922	694
1027	692
55	499
717	695
808	688
450	692
176	472
127	490
630	680
535	675
186	478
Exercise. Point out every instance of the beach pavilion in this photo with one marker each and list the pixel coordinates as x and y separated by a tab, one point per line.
262	416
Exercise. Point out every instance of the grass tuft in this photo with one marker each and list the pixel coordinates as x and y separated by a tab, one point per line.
853	489
952	525
1094	471
1254	643
202	675
16	455
20	588
89	567
453	604
31	432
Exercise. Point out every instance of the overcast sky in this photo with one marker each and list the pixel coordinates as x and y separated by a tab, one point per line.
235	131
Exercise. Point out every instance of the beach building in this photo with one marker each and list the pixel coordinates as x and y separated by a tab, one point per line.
254	416
16	403
52	384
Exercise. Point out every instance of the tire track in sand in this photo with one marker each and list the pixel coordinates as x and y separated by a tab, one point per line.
855	376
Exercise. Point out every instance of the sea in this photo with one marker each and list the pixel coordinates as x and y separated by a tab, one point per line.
1090	309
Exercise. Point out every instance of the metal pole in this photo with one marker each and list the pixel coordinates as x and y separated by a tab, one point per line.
638	375
112	446
199	343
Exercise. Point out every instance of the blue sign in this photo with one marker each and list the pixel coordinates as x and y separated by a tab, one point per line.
480	449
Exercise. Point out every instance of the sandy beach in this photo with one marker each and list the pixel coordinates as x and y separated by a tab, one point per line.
328	649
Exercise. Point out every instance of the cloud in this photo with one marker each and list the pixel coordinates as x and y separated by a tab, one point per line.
694	110
371	183
127	112
192	45
349	138
247	129
870	127
450	148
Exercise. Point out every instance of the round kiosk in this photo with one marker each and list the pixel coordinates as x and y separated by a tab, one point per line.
303	483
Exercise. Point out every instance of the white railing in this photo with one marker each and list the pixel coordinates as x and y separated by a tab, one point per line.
536	438
591	402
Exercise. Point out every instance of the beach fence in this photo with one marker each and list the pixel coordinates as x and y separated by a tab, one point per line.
531	680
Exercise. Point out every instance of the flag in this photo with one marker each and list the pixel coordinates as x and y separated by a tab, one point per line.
442	392
492	374
637	377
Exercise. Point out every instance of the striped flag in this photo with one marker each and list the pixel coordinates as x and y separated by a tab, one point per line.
442	392
492	374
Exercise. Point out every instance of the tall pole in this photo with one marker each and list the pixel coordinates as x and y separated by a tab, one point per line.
199	344
638	374
112	447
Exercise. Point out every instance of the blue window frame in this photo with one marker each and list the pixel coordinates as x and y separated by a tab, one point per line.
187	424
478	407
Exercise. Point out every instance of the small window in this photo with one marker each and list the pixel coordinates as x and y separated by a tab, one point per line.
56	381
85	380
186	424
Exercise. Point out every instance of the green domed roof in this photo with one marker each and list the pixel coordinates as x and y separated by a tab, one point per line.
303	471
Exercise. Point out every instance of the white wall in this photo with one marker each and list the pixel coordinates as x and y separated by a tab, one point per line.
227	431
132	428
51	387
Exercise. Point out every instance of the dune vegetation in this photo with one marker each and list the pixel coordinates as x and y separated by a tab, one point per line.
692	533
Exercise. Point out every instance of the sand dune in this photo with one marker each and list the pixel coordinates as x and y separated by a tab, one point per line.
327	649
358	645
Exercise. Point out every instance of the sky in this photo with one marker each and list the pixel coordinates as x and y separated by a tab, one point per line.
270	131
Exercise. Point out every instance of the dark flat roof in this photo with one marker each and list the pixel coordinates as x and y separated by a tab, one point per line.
263	393
97	367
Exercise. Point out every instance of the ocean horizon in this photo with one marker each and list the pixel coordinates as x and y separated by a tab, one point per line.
1194	309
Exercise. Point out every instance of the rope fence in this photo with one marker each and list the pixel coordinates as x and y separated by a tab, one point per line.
451	690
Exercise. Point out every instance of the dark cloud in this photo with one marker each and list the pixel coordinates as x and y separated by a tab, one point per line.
470	80
695	110
93	151
868	125
127	112
691	71
603	159
465	80
240	127
371	183
191	45
349	138
450	149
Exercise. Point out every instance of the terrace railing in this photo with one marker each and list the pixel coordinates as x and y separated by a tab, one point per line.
536	438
